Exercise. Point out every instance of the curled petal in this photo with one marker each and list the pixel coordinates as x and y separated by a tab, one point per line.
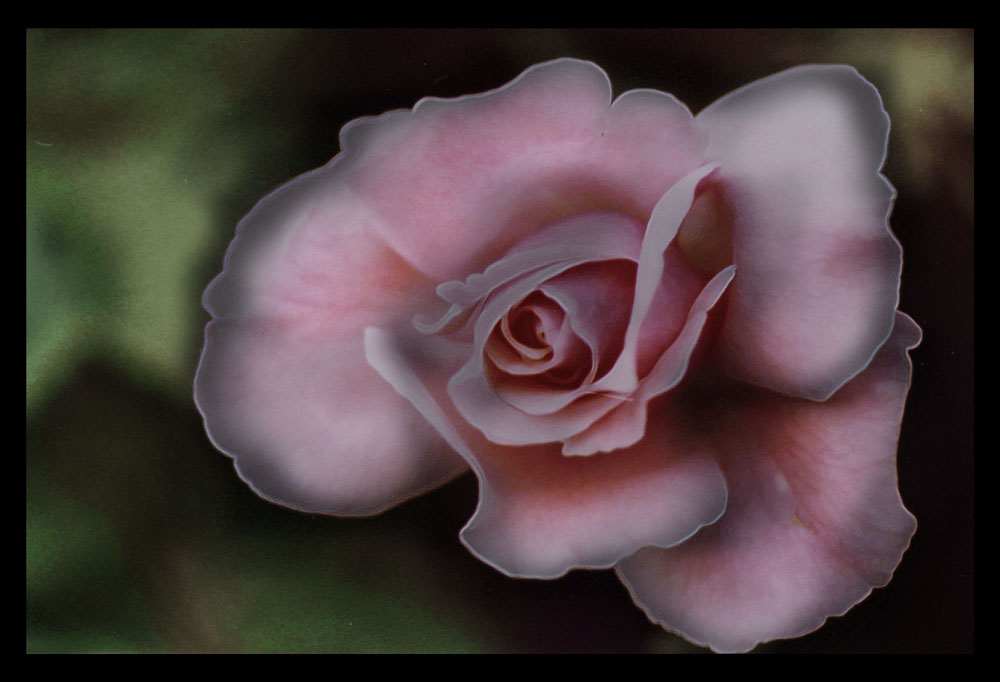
666	219
815	519
800	154
591	295
512	356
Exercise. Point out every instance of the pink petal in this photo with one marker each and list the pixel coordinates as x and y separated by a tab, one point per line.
818	268
457	182
282	384
675	295
513	358
541	514
527	329
310	425
502	423
595	297
663	224
815	519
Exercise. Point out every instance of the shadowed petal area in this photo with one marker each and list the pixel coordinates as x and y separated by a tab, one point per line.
457	182
283	385
541	514
800	155
815	520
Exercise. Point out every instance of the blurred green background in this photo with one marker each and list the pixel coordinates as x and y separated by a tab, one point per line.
143	150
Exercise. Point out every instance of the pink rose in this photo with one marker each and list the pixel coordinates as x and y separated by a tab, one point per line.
663	343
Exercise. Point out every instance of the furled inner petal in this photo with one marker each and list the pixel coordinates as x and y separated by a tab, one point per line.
595	297
477	400
592	296
529	344
528	328
540	386
614	237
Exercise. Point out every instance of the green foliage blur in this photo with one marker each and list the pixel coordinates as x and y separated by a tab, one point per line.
143	150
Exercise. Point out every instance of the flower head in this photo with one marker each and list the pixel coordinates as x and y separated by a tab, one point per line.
664	343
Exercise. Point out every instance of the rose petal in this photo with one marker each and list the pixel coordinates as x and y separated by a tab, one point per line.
282	384
800	154
541	514
678	289
457	182
578	410
660	232
593	296
505	424
814	520
532	324
309	425
562	345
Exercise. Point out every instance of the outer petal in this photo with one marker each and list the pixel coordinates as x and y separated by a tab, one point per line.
541	514
819	269
283	385
457	182
814	521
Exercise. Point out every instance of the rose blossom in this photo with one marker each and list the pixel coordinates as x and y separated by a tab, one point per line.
663	343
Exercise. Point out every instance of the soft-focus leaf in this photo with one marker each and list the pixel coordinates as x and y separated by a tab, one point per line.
79	596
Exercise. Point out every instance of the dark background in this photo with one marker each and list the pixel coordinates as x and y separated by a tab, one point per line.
144	148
